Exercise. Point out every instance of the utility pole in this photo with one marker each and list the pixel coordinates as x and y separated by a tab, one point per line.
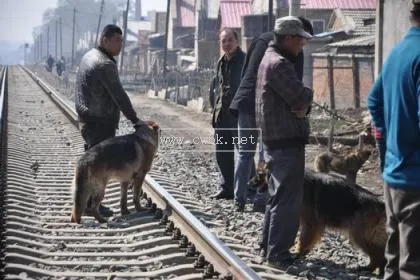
72	40
25	46
40	49
56	38
35	48
197	33
290	7
61	37
99	21
270	15
165	47
125	36
48	40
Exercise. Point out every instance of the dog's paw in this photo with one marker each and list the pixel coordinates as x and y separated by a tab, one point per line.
366	268
125	212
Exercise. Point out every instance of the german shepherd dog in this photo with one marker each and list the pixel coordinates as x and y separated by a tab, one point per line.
126	158
347	165
332	203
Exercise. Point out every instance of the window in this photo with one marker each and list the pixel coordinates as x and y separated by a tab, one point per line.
318	25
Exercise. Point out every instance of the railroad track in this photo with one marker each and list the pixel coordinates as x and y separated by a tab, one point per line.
38	242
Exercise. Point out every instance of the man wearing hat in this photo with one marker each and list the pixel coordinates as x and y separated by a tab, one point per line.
281	106
394	103
243	106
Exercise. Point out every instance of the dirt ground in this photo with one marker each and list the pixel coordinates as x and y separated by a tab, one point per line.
181	119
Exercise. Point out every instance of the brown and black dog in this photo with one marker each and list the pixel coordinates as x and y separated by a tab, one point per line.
332	203
125	158
347	165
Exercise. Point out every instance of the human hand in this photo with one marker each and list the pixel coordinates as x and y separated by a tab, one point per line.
300	114
149	124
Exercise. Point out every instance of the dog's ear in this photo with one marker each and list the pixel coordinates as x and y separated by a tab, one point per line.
155	126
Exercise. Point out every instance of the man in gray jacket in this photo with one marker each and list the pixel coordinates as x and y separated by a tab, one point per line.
282	102
99	94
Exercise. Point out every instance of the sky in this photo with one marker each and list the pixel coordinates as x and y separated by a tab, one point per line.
18	17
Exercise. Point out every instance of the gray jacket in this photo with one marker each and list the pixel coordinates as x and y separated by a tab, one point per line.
99	94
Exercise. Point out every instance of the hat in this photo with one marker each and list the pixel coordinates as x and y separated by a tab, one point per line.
416	6
291	25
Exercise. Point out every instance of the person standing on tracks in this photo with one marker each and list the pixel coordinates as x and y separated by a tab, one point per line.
281	107
243	106
50	63
394	102
224	86
99	94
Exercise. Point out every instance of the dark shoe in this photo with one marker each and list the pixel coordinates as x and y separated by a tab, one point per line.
222	195
239	207
105	211
258	208
263	255
281	264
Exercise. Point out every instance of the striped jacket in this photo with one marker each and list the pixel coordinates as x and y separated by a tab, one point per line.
279	92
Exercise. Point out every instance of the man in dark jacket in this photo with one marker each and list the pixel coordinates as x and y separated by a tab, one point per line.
99	94
243	106
50	62
281	105
224	86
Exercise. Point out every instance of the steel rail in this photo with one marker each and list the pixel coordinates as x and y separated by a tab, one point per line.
224	260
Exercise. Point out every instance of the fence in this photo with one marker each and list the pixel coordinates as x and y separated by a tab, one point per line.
192	89
342	81
183	87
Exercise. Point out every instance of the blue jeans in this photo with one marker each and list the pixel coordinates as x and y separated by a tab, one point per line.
285	187
245	166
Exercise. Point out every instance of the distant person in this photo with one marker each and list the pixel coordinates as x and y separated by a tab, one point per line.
223	89
394	103
50	63
99	94
60	66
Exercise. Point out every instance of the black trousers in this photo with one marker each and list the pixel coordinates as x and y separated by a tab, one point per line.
403	227
225	137
94	133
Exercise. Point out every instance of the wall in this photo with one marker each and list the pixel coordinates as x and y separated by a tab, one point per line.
208	53
396	23
343	81
158	20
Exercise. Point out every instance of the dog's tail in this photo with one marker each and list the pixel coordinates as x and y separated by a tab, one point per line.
80	191
322	162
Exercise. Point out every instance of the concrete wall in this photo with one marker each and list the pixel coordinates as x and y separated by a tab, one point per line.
208	53
158	20
396	23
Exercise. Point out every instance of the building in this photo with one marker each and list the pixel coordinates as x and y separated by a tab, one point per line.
343	71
